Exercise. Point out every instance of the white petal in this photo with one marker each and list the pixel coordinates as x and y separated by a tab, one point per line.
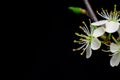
88	51
111	27
115	60
99	23
99	32
95	44
113	47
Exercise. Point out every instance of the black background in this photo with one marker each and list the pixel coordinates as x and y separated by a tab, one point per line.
55	59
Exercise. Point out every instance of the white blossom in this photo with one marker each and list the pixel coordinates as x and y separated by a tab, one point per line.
115	49
112	20
89	41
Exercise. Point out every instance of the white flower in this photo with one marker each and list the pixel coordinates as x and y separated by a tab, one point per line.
115	49
112	20
90	40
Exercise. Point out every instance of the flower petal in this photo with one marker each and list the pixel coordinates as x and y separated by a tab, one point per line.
99	23
111	27
115	60
88	51
95	44
99	32
113	47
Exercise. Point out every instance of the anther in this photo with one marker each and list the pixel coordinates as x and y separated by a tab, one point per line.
97	11
77	34
74	41
81	53
83	22
80	27
73	49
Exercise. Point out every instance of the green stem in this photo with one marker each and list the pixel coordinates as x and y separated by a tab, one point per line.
109	36
114	39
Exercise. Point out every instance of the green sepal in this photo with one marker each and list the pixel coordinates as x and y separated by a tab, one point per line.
76	10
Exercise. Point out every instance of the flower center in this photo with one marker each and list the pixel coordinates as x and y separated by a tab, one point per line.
114	15
89	38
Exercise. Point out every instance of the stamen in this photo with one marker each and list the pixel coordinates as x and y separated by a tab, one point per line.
73	49
75	41
115	8
83	39
105	14
117	16
89	21
91	29
84	49
81	53
81	35
86	27
114	16
105	50
79	48
79	42
77	34
102	15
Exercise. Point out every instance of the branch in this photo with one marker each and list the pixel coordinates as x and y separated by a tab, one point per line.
90	11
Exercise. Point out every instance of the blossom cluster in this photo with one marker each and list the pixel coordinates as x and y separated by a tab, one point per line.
90	40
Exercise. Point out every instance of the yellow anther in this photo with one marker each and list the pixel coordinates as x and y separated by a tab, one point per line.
114	12
115	8
74	41
102	8
81	53
97	11
83	49
81	39
111	12
89	19
80	26
83	22
115	5
77	34
101	12
73	49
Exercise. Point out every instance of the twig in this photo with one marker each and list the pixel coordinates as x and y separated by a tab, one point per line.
90	11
